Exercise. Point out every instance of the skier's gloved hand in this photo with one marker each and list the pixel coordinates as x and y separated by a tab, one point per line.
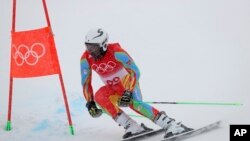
125	99
93	110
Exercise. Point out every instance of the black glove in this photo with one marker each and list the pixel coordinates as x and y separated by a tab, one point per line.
125	99
93	110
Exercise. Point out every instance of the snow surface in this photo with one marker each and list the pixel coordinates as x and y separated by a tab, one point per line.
187	50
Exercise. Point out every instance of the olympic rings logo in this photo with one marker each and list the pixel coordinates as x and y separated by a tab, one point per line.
103	67
23	54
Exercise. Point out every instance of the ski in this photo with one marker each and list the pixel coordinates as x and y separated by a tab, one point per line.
194	132
144	135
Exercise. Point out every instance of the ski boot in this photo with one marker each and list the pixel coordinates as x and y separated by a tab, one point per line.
131	127
170	125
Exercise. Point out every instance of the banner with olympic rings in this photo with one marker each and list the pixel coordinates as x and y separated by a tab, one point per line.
33	53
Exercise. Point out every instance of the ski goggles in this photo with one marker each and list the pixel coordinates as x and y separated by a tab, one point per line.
91	47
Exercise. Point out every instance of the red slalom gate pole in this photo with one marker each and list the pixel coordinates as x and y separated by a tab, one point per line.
71	128
8	126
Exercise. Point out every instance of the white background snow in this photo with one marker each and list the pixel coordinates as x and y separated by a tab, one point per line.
187	50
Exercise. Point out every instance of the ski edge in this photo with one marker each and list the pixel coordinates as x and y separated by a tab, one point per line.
143	135
197	131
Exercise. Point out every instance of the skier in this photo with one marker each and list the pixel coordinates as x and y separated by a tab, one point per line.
120	75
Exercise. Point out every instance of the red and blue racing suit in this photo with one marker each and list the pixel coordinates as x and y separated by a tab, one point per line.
119	72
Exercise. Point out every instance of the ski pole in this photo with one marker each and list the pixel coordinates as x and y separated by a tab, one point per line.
197	103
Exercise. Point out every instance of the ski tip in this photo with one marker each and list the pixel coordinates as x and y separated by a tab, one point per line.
219	122
216	124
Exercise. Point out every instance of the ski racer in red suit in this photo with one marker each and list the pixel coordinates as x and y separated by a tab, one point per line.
121	88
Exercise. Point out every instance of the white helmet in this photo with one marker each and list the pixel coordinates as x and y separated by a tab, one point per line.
98	37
